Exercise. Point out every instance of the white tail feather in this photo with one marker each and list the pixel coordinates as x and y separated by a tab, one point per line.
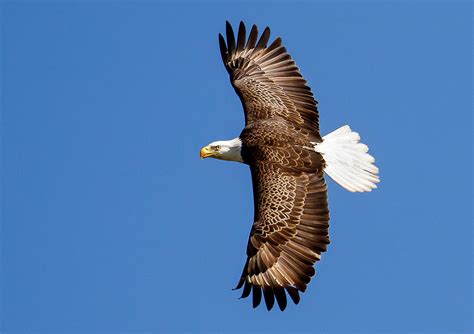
347	160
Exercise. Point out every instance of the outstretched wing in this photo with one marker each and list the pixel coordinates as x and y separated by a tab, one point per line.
289	233
267	80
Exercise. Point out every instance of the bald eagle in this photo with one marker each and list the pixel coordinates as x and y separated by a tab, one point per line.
288	158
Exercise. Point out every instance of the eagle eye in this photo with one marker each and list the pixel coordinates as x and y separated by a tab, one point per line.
216	148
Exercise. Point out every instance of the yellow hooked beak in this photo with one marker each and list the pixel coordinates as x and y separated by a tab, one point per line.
206	152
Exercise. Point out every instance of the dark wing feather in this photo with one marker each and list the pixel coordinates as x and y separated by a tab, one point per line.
289	233
257	296
241	37
230	38
253	36
280	297
267	80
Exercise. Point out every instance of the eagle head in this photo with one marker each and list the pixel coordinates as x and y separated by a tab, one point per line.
223	150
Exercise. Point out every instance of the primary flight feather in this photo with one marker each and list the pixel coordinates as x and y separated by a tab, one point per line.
287	157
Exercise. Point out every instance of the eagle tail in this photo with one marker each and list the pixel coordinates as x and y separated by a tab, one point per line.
347	160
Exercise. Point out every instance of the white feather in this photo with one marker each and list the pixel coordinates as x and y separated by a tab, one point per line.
230	150
347	160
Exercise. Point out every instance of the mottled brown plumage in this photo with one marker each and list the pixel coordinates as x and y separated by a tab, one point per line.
291	221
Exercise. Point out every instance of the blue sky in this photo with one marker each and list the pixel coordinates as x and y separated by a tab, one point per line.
111	223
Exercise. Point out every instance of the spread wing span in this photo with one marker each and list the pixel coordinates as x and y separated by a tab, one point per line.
291	220
267	80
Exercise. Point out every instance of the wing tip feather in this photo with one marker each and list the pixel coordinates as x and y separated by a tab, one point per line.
270	294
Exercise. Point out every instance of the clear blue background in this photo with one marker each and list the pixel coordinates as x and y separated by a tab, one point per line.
111	223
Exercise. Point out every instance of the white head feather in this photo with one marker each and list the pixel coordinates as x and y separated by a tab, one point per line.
227	149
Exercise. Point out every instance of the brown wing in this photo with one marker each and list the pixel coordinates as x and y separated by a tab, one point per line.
267	80
289	233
